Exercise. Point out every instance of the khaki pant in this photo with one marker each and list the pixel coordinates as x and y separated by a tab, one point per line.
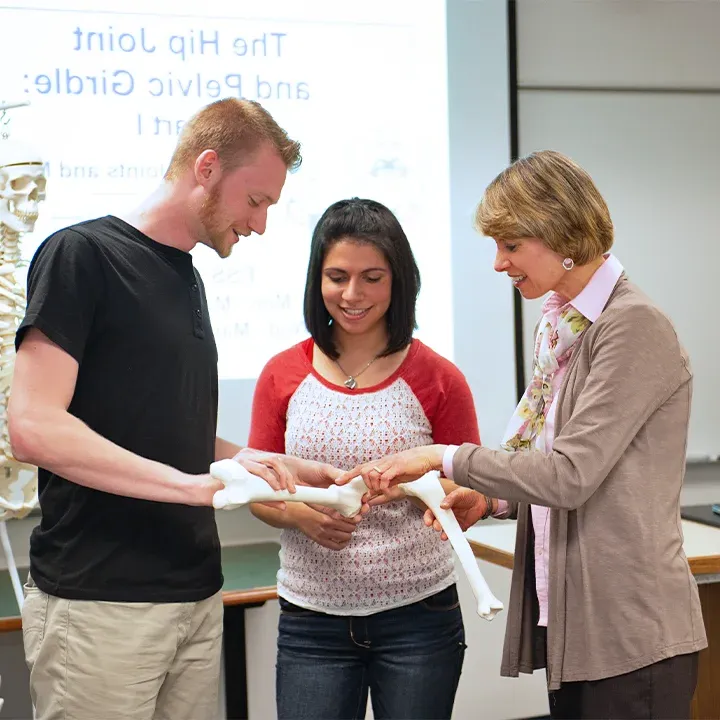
131	661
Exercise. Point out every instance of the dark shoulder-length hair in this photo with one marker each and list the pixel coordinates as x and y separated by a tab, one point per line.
367	222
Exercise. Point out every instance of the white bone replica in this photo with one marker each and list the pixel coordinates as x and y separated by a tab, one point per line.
430	491
242	487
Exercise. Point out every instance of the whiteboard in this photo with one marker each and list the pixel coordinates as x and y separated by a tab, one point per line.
655	158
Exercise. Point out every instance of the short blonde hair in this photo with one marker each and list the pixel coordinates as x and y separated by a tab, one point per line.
234	129
547	196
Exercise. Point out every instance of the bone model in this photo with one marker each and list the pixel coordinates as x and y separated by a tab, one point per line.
242	487
430	491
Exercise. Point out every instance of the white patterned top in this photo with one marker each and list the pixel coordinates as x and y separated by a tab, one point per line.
393	559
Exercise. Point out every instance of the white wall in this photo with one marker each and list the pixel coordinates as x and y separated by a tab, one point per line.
631	90
478	102
618	43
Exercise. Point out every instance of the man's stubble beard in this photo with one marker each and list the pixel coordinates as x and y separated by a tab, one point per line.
215	238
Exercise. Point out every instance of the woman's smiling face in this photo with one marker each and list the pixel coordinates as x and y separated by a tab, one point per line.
356	285
534	269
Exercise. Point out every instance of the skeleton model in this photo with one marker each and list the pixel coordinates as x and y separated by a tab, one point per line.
22	188
241	487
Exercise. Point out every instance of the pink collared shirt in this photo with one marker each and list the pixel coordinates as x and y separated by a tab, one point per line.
590	302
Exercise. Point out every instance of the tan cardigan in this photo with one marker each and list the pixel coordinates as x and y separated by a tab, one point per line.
621	594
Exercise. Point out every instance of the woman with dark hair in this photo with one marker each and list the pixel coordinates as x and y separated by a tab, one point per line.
368	603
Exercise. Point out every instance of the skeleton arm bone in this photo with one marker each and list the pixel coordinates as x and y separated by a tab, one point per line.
430	491
242	488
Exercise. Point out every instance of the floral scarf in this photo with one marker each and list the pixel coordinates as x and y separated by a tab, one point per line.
552	347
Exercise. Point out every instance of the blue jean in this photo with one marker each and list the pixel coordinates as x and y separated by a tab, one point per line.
409	658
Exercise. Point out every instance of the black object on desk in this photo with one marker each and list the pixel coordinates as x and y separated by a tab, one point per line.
706	514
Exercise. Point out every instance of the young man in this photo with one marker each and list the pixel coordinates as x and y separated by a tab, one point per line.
115	400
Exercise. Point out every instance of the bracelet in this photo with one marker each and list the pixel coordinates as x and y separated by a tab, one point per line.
488	509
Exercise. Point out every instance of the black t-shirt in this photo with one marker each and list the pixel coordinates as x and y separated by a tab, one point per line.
133	313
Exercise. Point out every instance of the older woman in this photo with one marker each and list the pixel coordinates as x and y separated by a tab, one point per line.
592	462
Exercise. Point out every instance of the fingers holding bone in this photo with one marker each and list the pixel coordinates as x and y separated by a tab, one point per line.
271	469
327	527
335	515
405	466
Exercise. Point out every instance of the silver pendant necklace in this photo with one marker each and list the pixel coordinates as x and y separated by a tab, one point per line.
351	382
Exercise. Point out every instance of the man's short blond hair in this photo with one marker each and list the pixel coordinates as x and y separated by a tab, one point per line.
234	129
547	196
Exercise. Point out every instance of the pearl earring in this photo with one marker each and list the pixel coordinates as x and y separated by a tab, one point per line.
568	263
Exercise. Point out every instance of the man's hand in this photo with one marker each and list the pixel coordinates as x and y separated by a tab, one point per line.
467	505
271	467
204	488
325	526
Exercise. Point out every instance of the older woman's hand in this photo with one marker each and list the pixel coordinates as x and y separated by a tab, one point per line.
402	467
294	470
467	505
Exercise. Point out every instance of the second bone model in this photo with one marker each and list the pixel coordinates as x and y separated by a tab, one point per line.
430	491
242	487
